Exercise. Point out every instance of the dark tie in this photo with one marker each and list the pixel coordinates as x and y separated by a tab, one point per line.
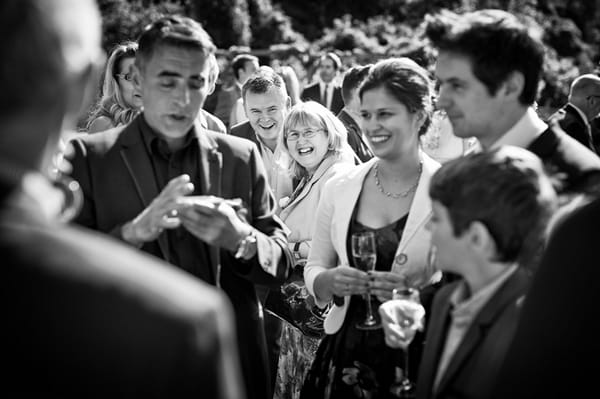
326	96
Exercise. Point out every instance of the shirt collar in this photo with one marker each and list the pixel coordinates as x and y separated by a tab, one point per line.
465	305
524	132
150	136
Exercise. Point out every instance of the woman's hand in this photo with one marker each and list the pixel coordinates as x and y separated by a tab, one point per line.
381	284
341	281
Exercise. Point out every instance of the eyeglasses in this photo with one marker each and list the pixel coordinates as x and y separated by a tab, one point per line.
127	76
294	135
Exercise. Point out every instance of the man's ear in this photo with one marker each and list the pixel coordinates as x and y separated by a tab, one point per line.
513	85
481	240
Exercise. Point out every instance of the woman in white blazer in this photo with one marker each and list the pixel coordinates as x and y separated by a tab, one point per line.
389	196
317	145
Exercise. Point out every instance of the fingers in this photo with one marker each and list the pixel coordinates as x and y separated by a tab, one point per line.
349	281
382	284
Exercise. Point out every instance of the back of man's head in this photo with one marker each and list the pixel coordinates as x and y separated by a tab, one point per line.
176	31
49	49
505	189
44	43
352	79
497	44
262	81
239	63
585	85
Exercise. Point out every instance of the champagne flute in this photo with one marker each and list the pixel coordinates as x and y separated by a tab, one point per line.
408	314
364	252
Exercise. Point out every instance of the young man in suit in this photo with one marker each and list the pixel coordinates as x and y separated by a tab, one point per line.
488	91
480	232
83	315
583	106
326	90
135	184
350	114
267	103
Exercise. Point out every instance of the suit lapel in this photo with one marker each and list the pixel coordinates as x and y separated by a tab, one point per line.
139	165
420	209
211	163
437	329
512	288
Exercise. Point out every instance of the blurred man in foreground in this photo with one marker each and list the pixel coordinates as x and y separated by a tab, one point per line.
85	316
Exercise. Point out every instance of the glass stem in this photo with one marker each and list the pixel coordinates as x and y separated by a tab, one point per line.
369	309
406	380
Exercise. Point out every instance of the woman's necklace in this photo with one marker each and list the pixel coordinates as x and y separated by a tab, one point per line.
402	194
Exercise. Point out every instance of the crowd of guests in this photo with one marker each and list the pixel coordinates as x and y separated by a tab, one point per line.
156	286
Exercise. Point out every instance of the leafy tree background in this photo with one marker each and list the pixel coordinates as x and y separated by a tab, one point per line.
364	31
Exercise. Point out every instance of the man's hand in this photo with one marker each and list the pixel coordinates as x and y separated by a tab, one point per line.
161	214
214	221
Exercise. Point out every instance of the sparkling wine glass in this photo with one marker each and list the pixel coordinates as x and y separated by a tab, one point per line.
364	252
408	313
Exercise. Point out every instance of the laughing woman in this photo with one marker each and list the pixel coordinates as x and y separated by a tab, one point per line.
388	196
317	145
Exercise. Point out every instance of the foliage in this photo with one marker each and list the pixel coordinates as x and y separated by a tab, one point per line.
124	19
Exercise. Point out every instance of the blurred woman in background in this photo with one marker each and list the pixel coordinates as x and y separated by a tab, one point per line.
119	102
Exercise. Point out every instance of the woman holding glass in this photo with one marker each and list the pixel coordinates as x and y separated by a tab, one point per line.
388	197
316	143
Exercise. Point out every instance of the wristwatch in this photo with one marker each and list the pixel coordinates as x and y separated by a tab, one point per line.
245	245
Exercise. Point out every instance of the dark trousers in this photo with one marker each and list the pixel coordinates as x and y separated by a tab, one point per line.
273	328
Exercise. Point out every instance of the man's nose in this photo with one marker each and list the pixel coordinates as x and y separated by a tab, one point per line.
183	96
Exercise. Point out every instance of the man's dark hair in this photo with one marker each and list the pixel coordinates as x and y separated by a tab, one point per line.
176	31
262	80
506	190
239	62
496	43
352	80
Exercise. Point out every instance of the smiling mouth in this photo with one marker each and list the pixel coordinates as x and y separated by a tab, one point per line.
378	139
305	151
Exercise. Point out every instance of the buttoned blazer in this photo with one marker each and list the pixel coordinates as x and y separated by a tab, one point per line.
299	214
474	367
313	92
338	201
116	175
90	317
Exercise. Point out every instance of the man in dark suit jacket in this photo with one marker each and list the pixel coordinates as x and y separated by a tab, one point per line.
501	112
135	184
473	319
326	91
555	346
351	111
583	106
83	315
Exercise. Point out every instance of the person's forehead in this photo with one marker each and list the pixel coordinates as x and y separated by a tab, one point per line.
273	96
452	64
170	56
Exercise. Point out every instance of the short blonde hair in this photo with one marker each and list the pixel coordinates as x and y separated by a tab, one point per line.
311	113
